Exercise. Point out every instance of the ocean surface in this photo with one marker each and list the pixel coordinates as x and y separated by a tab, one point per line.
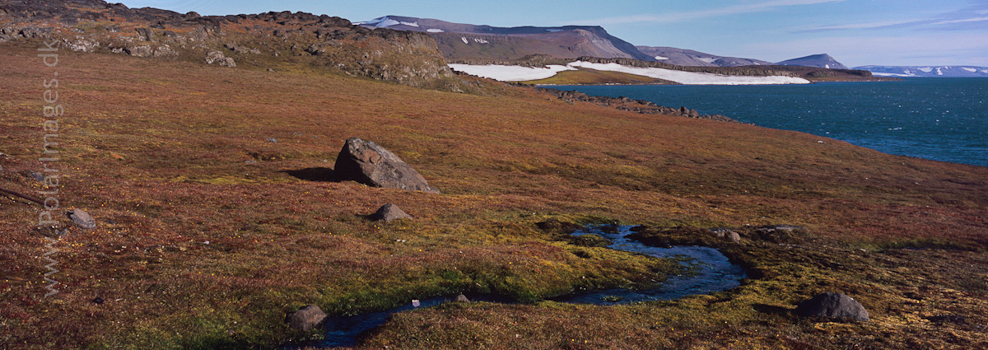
943	119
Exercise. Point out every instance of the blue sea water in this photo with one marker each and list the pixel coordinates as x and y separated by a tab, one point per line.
943	119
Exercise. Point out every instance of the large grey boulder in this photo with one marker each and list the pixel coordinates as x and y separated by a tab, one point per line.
305	318
833	305
367	163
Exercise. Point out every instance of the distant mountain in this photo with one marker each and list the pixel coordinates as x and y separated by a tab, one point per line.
927	71
822	61
467	42
682	57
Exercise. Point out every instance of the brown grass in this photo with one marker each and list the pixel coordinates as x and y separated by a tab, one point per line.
169	155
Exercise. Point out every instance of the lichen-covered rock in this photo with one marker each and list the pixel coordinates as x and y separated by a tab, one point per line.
833	305
370	164
216	57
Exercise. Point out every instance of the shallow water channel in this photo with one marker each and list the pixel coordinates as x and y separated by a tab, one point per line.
712	272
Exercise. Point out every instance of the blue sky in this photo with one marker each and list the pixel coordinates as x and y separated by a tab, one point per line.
855	32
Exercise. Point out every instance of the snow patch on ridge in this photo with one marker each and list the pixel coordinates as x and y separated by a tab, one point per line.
434	30
518	73
510	73
660	58
972	70
690	78
895	75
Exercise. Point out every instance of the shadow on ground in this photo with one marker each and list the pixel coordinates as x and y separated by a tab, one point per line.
313	174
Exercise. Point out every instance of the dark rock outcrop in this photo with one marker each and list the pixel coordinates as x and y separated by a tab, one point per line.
390	212
406	58
305	318
370	164
833	305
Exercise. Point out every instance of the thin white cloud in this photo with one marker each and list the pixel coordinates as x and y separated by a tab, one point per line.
868	25
716	12
964	20
956	19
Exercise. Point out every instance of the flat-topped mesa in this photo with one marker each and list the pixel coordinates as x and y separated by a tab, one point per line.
368	163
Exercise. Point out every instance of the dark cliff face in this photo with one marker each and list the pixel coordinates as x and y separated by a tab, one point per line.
472	43
259	39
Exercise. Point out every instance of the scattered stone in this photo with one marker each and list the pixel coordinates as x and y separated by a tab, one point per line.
720	232
733	237
82	45
98	300
139	51
833	305
270	70
216	57
785	228
34	175
462	298
82	219
367	163
305	318
390	212
144	34
271	139
164	51
241	49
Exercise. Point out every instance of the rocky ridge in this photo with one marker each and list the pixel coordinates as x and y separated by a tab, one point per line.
637	106
265	39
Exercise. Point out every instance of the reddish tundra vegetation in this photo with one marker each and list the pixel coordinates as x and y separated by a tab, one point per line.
215	217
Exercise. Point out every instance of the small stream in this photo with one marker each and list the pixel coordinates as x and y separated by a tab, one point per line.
713	272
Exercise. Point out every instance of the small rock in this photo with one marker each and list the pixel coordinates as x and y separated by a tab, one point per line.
82	219
35	175
462	298
733	236
833	305
273	140
390	212
98	300
305	318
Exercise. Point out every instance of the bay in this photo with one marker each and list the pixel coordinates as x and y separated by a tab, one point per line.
943	119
